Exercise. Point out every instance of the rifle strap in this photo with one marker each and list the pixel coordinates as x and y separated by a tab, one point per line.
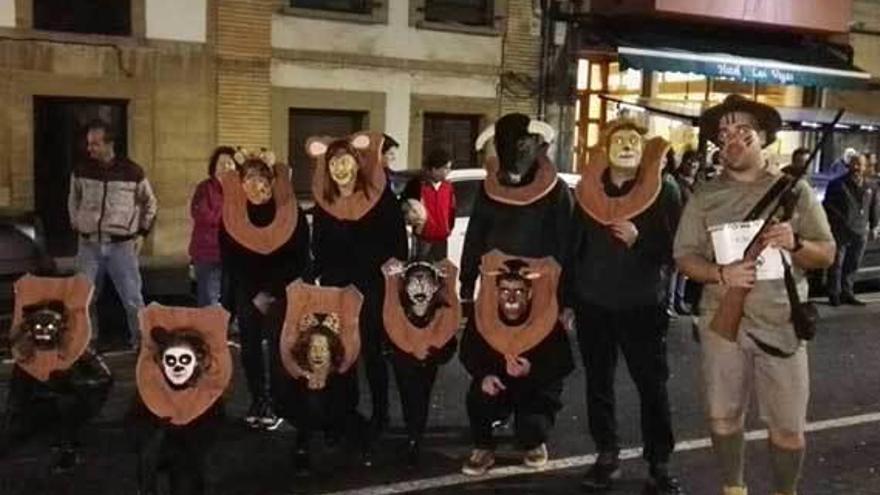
768	197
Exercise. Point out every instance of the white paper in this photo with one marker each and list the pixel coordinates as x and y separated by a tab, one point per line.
730	241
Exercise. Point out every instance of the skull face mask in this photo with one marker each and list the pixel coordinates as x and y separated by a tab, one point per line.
420	298
179	364
625	148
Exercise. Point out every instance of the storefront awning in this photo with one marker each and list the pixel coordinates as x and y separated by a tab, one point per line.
794	118
724	52
723	65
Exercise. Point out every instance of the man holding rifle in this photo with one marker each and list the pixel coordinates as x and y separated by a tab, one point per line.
763	351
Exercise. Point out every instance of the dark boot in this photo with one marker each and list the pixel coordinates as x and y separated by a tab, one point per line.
661	482
601	475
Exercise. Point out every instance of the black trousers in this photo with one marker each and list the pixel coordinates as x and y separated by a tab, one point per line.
179	451
415	383
259	336
534	410
331	410
640	334
61	406
373	353
841	275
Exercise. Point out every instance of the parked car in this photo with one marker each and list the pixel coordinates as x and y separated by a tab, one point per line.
22	250
466	182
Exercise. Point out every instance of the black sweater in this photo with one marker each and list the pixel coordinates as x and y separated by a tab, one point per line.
604	272
353	251
252	272
550	360
535	231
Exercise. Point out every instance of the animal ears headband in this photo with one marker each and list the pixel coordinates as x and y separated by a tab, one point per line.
317	147
538	127
399	268
329	320
242	155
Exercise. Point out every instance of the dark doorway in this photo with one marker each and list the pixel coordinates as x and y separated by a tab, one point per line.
455	133
60	144
305	123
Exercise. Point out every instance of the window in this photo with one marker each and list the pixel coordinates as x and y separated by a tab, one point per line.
112	17
351	6
467	12
305	123
453	132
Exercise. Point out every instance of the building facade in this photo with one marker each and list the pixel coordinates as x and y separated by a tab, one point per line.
177	78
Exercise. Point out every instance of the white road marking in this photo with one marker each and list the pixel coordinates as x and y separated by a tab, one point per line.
583	460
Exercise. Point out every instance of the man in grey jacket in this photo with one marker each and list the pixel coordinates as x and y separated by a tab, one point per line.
112	207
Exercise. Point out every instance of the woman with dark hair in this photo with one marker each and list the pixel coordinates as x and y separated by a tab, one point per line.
204	245
265	246
358	225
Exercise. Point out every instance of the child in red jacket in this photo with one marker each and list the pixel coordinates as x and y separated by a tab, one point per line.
429	203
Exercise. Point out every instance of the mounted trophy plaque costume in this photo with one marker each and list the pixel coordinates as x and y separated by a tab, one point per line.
358	225
523	210
57	382
264	245
422	314
616	282
183	369
320	344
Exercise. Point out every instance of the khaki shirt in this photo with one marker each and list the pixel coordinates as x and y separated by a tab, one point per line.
724	200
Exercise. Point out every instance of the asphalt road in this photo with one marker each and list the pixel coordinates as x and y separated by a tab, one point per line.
843	453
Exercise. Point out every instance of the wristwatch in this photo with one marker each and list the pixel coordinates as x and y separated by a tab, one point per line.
798	244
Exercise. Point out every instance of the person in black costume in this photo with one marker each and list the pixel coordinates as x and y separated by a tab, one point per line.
525	380
261	270
358	225
421	314
617	283
523	209
60	394
183	369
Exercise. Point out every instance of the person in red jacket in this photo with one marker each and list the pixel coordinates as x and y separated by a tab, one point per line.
429	204
206	211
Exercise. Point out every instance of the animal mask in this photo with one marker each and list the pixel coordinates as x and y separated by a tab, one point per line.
44	325
319	351
421	309
625	148
518	143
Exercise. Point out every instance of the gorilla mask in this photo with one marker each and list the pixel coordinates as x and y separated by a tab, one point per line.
515	293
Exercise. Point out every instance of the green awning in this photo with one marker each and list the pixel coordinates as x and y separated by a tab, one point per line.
728	52
728	66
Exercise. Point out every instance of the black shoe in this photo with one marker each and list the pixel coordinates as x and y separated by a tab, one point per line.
662	484
851	300
302	465
601	475
683	308
269	421
65	460
671	313
252	417
834	300
413	453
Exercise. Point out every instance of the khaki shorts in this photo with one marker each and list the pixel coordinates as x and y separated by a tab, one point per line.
732	369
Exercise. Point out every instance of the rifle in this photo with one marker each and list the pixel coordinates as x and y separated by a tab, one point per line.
727	317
